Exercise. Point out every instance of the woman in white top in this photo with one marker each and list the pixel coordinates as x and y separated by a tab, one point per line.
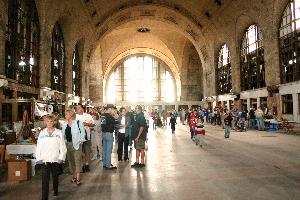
50	152
123	138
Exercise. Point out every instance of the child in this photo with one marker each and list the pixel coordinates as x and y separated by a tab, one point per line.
227	121
199	132
172	123
50	152
193	123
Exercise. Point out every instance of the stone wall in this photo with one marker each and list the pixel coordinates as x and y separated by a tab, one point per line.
191	75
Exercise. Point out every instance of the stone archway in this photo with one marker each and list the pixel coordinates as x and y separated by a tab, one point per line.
146	51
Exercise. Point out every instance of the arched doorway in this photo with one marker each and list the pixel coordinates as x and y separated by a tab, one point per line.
140	79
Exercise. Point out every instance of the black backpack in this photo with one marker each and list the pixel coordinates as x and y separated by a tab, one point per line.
85	137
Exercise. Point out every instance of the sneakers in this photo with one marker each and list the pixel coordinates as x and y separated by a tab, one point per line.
78	182
73	180
100	158
111	167
94	158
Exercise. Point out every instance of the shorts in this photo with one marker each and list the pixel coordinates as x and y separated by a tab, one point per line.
87	148
140	144
74	157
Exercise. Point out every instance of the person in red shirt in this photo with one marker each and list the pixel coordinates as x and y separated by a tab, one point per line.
193	122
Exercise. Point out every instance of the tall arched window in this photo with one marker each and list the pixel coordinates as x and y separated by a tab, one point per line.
22	42
76	75
224	84
57	60
252	59
140	79
289	37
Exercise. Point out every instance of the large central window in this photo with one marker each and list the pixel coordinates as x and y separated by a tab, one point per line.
140	79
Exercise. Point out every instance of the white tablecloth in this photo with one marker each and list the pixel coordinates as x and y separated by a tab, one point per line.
21	149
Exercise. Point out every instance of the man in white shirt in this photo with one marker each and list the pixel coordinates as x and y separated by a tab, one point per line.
88	122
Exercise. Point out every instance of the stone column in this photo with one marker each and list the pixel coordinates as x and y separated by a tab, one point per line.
295	107
258	102
248	104
45	58
2	51
68	70
235	67
3	19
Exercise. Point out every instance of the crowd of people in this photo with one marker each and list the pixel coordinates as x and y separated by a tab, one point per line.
86	136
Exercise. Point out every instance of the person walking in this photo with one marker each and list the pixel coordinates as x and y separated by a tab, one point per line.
259	114
228	124
73	131
165	117
88	122
50	152
140	128
123	139
108	127
182	116
172	123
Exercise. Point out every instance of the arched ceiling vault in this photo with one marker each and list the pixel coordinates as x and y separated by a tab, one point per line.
165	18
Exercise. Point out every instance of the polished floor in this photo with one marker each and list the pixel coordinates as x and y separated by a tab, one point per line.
252	165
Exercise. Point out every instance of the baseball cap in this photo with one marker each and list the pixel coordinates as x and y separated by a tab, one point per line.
110	106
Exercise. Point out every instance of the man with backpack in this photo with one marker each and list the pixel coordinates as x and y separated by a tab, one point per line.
88	122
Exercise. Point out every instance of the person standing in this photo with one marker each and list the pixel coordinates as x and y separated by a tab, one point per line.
154	116
228	124
140	128
259	114
172	123
50	152
96	137
73	131
252	118
193	122
199	132
165	117
130	114
108	127
88	122
123	139
182	116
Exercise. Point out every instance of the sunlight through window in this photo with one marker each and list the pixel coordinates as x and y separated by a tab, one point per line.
140	79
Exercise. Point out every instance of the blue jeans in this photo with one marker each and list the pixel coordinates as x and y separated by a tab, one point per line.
260	124
227	131
154	124
252	123
108	140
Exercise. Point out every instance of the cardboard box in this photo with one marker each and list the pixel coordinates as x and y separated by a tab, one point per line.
19	170
2	154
